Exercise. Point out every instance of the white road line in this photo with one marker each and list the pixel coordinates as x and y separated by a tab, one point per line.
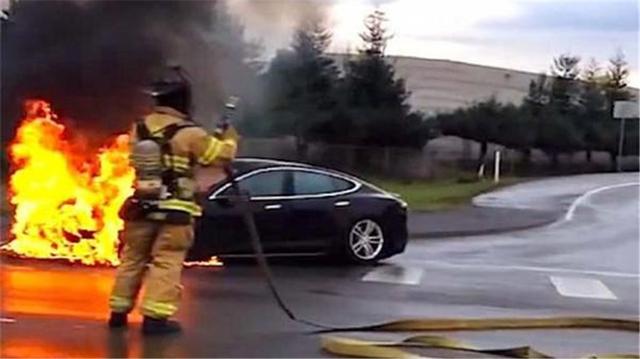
394	274
580	200
582	288
7	320
471	266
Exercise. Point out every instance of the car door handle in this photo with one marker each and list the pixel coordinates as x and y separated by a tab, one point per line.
342	204
271	207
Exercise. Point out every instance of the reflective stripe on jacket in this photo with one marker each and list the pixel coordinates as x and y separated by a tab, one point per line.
189	146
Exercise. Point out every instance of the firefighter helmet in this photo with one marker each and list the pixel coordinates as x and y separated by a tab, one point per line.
172	90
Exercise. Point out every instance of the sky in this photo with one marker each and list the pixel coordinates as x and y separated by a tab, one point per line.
516	34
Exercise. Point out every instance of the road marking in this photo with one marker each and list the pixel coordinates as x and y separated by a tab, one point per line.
570	213
7	320
582	288
527	268
394	274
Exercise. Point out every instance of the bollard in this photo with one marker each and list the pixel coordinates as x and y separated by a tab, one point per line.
496	168
481	172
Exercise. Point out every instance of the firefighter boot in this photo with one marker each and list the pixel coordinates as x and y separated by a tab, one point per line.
118	320
154	326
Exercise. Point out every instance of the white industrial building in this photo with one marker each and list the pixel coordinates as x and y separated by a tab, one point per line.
438	86
444	85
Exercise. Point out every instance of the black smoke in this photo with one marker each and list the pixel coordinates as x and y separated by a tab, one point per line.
90	58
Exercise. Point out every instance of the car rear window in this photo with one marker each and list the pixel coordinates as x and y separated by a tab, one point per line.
317	183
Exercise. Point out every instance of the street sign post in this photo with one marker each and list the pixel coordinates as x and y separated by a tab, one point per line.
623	110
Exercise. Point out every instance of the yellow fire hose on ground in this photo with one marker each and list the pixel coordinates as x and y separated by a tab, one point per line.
343	346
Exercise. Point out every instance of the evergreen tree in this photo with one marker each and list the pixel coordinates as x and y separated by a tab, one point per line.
376	34
559	131
538	96
616	80
515	130
484	119
615	88
375	99
301	85
534	108
592	107
564	88
489	122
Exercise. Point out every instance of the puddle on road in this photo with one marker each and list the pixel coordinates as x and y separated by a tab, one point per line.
78	293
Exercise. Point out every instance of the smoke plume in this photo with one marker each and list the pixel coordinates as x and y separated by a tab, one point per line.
91	58
274	21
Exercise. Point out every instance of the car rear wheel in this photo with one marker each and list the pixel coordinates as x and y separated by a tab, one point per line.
365	241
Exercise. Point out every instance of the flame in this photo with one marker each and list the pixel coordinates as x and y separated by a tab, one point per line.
212	262
66	200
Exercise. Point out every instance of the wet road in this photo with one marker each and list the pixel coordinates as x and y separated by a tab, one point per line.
586	264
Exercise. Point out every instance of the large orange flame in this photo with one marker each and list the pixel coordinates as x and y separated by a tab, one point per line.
66	200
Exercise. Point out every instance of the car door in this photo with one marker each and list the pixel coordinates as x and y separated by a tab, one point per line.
268	190
319	211
222	229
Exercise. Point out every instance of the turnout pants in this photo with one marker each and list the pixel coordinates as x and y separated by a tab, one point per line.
157	250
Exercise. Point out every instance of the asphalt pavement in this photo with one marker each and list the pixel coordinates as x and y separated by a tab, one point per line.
586	263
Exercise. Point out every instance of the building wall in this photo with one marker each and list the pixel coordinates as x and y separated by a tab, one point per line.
442	85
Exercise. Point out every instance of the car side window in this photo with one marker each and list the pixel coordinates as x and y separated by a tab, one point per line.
270	183
316	183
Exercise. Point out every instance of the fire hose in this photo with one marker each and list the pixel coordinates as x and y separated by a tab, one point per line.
343	346
243	203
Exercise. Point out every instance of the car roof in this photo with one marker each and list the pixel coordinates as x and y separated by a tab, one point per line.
244	165
247	164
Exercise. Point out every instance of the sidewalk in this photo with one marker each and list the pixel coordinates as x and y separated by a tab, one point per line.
520	206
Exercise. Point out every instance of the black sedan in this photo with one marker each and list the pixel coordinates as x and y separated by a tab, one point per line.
301	210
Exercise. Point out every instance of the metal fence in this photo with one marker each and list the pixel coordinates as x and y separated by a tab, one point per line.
441	157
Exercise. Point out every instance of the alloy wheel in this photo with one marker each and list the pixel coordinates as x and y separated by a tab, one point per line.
366	240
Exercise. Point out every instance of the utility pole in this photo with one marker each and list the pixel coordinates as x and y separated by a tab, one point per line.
620	144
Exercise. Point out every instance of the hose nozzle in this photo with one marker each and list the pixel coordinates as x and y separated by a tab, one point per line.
232	101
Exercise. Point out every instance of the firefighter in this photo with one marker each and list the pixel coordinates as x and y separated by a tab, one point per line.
166	146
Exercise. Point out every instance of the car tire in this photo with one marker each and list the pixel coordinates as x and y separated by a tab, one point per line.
365	242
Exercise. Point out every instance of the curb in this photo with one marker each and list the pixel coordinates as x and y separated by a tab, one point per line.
538	219
480	232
